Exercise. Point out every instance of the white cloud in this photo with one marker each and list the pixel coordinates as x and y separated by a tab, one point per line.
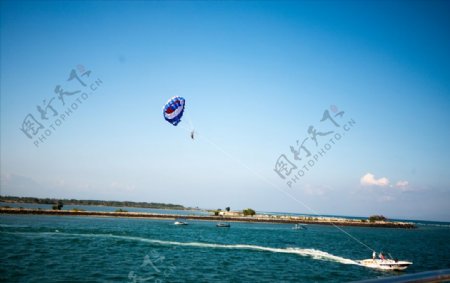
402	184
369	180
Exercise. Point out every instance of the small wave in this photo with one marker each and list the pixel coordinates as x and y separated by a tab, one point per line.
13	226
434	225
313	253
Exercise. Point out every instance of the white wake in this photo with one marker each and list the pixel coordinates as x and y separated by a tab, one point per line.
313	253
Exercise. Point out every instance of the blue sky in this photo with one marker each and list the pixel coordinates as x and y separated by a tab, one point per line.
255	76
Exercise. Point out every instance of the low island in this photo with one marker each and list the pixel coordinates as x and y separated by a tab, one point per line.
247	215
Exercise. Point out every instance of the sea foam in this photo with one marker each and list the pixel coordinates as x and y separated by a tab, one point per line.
312	253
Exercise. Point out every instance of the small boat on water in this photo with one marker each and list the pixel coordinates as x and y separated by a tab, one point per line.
180	222
299	227
383	263
223	225
386	264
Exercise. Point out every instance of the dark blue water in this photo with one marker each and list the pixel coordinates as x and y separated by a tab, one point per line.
66	248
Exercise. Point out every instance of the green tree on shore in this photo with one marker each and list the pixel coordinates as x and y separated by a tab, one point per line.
374	218
58	205
248	211
216	213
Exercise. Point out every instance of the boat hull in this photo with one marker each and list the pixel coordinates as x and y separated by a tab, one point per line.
222	225
385	264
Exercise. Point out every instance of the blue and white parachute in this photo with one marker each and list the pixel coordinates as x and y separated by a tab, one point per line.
173	110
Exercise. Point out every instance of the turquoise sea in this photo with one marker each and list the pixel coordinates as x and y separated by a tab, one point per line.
101	249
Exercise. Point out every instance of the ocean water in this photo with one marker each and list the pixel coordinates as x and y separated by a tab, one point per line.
101	249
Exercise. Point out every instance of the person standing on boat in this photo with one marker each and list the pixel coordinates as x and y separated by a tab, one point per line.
374	255
382	256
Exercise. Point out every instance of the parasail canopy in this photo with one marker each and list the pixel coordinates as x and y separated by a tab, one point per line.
173	110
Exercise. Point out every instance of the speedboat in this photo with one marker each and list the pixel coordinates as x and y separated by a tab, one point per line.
385	264
299	227
180	222
223	225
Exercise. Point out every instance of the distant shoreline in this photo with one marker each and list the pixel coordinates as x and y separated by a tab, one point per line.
255	219
111	203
